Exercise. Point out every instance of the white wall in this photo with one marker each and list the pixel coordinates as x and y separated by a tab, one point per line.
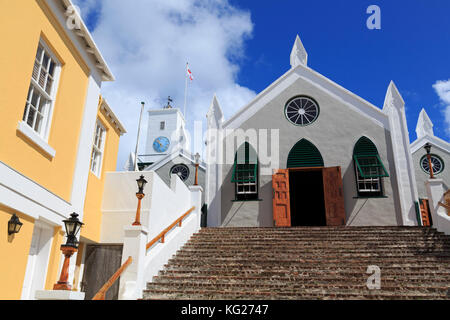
161	206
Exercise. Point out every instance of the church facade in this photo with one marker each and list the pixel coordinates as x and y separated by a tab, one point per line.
440	155
340	159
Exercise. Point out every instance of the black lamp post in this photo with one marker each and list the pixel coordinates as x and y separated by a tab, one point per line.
14	225
141	182
430	165
73	226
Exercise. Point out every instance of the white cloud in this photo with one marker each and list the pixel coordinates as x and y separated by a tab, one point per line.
442	88
147	44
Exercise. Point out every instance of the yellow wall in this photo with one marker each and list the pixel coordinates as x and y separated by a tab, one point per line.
14	251
24	23
94	194
55	258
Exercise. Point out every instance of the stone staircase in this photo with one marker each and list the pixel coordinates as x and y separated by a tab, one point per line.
307	263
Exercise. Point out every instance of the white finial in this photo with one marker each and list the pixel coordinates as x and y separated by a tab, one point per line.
424	125
215	110
298	54
393	98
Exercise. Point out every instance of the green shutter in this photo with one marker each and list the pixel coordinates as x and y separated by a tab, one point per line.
245	166
367	159
304	154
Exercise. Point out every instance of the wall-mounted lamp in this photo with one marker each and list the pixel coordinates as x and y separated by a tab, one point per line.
14	225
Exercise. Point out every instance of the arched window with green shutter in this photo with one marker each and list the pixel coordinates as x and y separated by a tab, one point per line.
304	155
245	173
369	169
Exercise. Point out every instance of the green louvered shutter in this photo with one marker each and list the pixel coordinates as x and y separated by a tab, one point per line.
304	154
367	159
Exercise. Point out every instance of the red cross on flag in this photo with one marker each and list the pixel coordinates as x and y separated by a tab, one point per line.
189	73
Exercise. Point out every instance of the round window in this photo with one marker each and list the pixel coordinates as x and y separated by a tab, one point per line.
180	170
302	111
436	163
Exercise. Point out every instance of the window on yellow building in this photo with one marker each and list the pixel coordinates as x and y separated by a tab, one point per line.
98	149
42	91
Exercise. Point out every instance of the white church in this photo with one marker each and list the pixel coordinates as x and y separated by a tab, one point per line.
341	161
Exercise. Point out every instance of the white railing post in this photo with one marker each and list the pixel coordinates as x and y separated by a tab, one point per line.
132	280
435	191
196	201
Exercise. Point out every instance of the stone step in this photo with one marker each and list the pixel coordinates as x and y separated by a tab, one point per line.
296	286
287	295
303	278
308	254
308	272
324	232
328	245
319	228
287	260
302	266
387	280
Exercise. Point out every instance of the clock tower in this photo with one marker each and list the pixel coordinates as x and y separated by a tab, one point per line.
166	133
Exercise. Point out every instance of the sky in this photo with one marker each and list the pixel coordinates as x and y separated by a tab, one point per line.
236	48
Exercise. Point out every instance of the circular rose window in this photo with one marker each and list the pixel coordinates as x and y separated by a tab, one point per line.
302	111
181	170
436	163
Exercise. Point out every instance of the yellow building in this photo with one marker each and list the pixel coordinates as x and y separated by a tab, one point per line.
56	139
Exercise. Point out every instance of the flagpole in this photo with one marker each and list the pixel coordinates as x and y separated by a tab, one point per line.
185	91
137	140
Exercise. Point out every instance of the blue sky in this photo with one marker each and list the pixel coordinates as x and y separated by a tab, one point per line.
238	47
412	48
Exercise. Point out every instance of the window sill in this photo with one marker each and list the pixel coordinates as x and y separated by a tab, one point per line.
369	197
25	129
246	200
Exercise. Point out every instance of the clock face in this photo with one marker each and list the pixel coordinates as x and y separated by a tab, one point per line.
161	144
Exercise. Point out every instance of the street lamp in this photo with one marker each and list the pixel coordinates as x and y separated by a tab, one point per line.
73	226
141	182
14	225
430	165
197	163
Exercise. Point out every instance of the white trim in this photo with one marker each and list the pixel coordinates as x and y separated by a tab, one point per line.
83	157
34	137
111	117
435	141
90	52
170	157
24	195
321	82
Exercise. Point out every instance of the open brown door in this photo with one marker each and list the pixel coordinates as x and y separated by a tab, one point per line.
281	199
333	196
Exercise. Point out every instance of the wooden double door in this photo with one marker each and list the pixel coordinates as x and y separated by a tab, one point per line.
308	197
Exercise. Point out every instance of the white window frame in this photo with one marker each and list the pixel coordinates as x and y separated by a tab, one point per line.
247	187
35	87
98	149
368	183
